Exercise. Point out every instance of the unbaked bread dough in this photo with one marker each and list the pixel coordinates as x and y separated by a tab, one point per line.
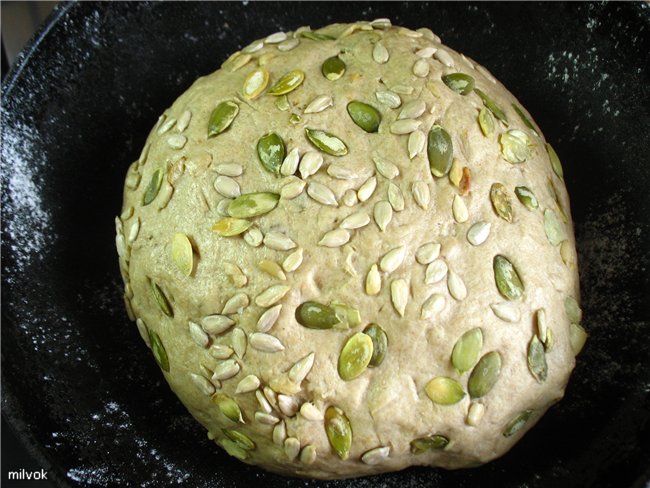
350	251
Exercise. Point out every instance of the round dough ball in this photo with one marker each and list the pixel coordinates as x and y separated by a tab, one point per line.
350	251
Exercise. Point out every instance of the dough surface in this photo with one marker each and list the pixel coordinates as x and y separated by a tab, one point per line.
403	261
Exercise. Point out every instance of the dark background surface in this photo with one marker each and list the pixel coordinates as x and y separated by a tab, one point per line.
77	381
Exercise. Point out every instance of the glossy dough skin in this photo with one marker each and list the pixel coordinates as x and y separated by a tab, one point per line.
387	405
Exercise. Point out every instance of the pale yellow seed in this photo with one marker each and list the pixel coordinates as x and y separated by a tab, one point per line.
271	295
366	190
373	281
272	268
322	194
412	109
421	194
278	241
291	448
292	189
319	104
182	253
202	384
399	294
475	414
404	126
421	68
290	164
427	253
239	342
309	411
385	168
435	272
393	259
248	384
279	433
310	163
432	306
265	342
459	209
293	261
350	198
269	318
444	57
380	53
335	238
455	172
456	286
383	214
288	405
355	221
235	304
301	369
253	237
395	197
417	141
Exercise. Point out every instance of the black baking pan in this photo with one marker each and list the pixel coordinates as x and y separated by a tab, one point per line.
79	386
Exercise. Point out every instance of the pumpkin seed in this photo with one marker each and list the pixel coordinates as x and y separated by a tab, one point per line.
182	255
253	204
524	118
537	359
229	226
255	83
553	228
492	106
573	310
221	117
314	315
440	151
578	337
555	161
517	423
467	350
153	188
379	344
373	281
233	449
478	233
282	103
326	142
366	190
380	53
355	356
444	391
486	122
339	431
228	407
526	197
316	36
318	104
388	98
242	440
484	375
515	146
333	68
376	455
161	300
507	279
459	82
399	295
501	202
288	83
365	116
158	350
424	444
271	152
348	316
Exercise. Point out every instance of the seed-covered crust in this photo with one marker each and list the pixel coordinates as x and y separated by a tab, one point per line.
350	251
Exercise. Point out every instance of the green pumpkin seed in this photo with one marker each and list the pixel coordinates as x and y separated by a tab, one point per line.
526	197
228	407
271	151
255	83
440	151
555	161
365	116
444	391
333	68
242	440
379	344
537	359
485	375
467	350
158	350
348	316
577	336
316	36
492	106
161	300
524	119
282	103
515	146
459	82
326	142
182	253
553	228
221	117
424	444
573	310
355	356
486	122
253	204
507	279
153	188
314	315
501	202
229	226
517	423
233	449
339	431
288	83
